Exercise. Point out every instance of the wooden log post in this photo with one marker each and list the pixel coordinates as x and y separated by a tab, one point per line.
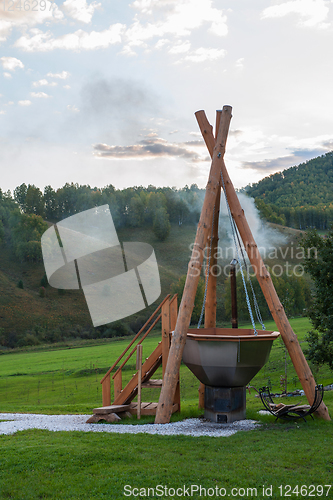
165	334
289	337
139	368
106	391
173	321
117	384
164	408
211	298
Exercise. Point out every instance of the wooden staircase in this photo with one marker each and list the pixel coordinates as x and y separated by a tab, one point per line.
123	397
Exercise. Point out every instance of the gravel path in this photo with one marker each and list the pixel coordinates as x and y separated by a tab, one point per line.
15	422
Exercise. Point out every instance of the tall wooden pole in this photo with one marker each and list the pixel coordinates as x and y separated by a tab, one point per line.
213	241
170	379
139	368
289	337
211	298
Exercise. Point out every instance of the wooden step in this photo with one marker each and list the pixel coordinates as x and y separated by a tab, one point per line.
152	383
104	410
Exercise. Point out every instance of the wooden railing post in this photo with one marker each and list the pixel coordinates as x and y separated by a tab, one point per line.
165	334
173	321
106	391
117	384
139	368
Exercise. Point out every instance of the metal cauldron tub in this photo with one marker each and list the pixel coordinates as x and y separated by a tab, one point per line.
227	357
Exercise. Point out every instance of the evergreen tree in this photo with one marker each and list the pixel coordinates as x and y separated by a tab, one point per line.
319	264
161	224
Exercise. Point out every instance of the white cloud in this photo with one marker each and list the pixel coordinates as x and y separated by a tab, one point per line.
7	75
73	108
63	75
180	17
11	63
80	40
180	48
313	13
239	63
67	86
173	17
24	103
40	95
5	27
80	10
2	112
202	54
44	82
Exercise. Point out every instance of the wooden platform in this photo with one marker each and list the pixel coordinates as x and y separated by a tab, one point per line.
111	409
114	413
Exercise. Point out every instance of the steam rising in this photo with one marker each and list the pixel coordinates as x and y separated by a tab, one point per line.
264	236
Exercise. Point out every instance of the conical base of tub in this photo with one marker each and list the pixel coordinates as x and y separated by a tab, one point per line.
226	357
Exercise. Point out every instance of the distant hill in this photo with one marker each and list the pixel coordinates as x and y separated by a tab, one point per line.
300	196
33	313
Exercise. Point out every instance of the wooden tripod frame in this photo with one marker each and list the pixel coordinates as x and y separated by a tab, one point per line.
216	147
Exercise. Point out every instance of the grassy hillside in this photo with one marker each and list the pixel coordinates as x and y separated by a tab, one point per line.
23	312
24	309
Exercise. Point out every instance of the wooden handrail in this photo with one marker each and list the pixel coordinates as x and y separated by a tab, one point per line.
136	336
134	350
145	335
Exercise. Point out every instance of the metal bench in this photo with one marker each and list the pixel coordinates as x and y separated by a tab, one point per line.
291	411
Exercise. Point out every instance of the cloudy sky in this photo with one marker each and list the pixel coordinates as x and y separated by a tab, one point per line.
105	92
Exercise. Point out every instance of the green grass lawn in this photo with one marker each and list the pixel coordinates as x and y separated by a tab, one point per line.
67	380
75	465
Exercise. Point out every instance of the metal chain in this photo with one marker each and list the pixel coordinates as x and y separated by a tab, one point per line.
239	259
256	305
207	273
255	302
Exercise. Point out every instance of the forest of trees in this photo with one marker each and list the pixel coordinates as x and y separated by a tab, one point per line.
133	206
300	196
23	216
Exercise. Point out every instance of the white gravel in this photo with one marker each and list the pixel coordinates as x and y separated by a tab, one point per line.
14	422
